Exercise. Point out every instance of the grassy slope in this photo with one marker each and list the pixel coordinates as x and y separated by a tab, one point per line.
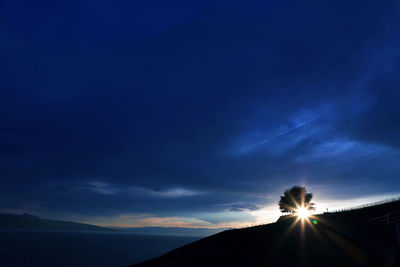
345	239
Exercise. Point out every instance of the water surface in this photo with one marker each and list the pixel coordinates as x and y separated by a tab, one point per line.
67	248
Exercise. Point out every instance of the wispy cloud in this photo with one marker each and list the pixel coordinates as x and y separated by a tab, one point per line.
147	220
250	142
167	193
105	188
240	207
344	149
102	188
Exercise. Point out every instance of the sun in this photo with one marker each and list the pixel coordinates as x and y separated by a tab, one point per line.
302	213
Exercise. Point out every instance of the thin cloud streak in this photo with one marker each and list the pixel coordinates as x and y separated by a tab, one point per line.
110	189
257	145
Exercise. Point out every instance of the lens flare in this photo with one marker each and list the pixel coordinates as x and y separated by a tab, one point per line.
302	213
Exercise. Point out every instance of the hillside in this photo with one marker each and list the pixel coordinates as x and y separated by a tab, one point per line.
350	238
31	222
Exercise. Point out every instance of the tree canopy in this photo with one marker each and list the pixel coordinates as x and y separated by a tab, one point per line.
294	198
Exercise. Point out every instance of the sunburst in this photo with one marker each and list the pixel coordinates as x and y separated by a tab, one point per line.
303	213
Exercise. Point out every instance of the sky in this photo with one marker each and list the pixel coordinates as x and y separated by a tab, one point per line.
196	113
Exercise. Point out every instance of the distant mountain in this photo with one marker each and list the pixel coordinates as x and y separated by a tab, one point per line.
363	237
172	231
31	222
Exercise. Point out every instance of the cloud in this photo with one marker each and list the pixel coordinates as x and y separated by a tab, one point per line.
147	220
168	222
101	188
244	207
195	109
345	151
166	193
105	188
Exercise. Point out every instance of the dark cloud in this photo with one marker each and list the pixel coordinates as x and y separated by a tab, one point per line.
381	122
244	207
173	108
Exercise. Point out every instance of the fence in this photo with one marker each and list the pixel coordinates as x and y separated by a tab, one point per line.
386	220
369	205
389	222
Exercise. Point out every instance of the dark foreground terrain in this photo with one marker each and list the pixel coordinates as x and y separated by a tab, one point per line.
363	237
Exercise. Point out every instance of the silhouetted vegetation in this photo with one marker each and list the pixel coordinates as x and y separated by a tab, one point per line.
294	198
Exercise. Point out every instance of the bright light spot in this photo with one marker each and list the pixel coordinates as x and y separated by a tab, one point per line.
302	213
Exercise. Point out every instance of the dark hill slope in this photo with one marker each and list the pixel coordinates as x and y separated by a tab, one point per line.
338	239
31	222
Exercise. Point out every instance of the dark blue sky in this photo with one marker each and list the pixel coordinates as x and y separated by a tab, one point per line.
196	114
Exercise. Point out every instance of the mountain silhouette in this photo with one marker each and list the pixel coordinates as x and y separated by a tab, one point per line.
32	222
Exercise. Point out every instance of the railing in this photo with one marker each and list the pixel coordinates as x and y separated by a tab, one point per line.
368	205
389	222
386	220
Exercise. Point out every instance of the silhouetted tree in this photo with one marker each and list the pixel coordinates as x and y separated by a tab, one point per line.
294	198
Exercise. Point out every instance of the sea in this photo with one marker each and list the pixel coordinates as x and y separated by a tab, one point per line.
82	248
